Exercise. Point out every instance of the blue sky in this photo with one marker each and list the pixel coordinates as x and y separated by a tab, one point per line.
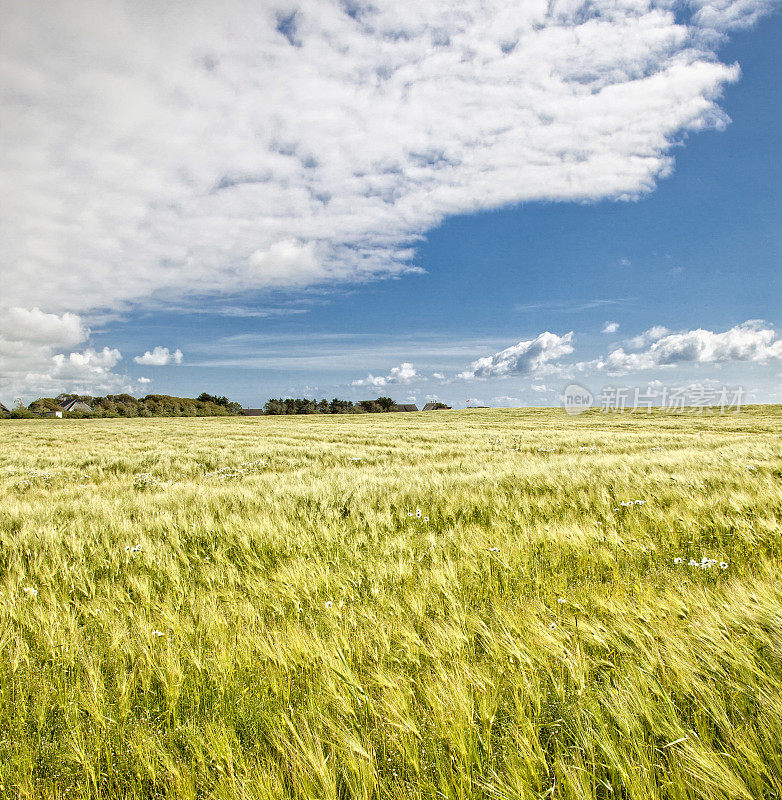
549	273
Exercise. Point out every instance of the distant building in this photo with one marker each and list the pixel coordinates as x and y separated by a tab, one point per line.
436	407
52	414
4	412
404	407
76	406
252	412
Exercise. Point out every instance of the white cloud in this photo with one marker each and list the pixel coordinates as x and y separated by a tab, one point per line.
610	327
724	15
86	365
404	373
752	341
159	357
472	400
505	400
144	380
34	359
647	337
36	327
438	376
525	358
200	150
285	263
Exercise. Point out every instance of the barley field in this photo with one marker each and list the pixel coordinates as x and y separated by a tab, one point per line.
474	604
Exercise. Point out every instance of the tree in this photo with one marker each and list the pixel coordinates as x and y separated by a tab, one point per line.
274	406
218	400
385	403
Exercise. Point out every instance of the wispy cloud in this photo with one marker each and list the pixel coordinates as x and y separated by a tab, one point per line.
610	327
566	305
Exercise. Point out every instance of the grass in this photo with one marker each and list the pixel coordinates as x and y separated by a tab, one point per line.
239	608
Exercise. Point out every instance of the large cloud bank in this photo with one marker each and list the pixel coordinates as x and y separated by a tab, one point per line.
153	149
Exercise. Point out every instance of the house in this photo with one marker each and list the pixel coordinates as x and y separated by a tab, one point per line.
4	412
53	414
404	407
75	406
436	407
252	412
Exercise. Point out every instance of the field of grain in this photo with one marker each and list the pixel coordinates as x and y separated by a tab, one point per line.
475	604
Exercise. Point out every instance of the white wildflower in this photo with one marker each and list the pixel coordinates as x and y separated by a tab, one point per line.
329	603
678	560
157	633
418	513
31	591
562	601
723	564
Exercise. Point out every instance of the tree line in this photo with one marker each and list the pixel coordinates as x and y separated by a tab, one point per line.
205	405
298	405
125	405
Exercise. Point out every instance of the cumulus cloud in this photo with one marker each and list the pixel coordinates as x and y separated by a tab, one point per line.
85	366
34	357
647	337
752	341
159	357
610	327
404	373
36	327
530	357
209	149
